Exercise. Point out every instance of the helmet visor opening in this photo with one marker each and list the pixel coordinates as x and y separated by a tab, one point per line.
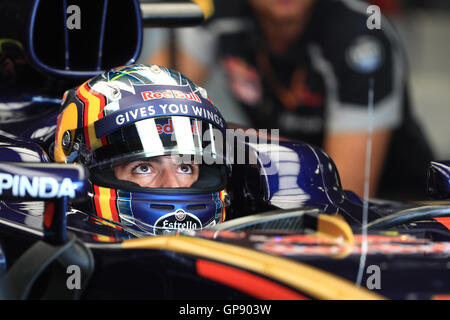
161	136
166	152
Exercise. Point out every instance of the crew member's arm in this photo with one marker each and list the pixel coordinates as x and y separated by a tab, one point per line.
195	53
348	151
184	63
375	56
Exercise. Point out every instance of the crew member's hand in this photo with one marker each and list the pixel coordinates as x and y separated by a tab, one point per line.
348	151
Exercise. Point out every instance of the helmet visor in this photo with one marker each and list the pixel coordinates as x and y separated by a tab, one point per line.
162	136
160	152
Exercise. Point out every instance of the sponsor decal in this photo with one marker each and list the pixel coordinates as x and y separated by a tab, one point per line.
180	225
223	234
299	250
110	123
244	80
167	128
171	94
36	187
311	245
177	220
139	113
132	115
180	215
365	54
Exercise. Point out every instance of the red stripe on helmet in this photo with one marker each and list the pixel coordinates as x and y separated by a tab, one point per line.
113	205
98	209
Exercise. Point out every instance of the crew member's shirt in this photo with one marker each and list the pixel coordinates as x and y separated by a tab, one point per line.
322	82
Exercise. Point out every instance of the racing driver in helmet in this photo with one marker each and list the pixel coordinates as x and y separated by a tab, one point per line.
153	143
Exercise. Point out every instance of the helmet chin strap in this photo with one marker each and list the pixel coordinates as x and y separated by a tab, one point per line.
362	260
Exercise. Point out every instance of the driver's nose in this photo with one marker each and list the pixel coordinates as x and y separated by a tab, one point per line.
169	180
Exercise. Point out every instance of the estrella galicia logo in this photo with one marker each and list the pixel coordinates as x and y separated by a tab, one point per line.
180	215
177	220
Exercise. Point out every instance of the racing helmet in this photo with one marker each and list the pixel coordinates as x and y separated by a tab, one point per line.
154	145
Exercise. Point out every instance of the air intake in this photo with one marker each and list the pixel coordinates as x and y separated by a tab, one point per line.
195	207
162	207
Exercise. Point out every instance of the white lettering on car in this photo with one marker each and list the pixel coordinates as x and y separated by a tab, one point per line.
36	187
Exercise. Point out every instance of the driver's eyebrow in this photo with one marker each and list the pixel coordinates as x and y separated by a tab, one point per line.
126	164
157	160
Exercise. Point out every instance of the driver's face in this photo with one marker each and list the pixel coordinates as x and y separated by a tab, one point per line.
158	172
281	9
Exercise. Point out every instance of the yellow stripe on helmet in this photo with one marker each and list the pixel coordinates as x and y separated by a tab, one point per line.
68	120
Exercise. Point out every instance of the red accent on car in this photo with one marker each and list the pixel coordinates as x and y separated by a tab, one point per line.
445	221
246	282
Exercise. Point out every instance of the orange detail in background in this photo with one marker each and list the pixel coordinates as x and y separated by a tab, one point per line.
222	195
388	7
441	297
445	221
102	238
49	213
246	282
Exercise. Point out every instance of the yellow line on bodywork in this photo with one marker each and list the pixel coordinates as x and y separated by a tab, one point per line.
312	281
335	226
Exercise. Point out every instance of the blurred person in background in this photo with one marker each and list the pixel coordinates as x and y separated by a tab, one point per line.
305	67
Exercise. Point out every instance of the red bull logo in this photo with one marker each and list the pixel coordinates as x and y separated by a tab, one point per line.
167	128
172	94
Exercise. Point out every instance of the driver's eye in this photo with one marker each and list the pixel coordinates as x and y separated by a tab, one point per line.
185	168
142	168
